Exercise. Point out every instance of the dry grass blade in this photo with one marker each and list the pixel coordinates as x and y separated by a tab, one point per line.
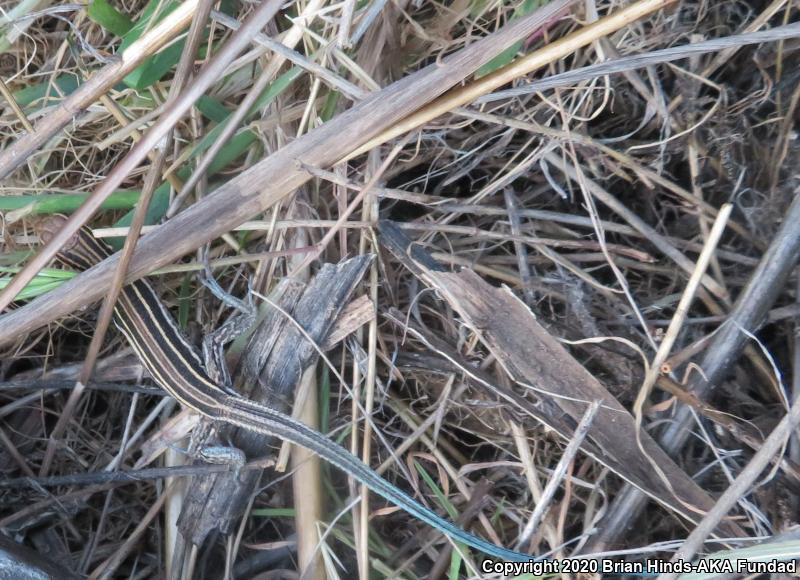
20	151
246	195
636	61
179	104
518	68
744	482
543	504
747	315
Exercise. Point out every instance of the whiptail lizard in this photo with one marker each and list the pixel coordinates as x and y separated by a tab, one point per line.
177	367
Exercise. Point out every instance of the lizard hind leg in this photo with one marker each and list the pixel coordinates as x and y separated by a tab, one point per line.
209	445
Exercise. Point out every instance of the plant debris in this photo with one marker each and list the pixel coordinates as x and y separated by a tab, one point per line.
549	332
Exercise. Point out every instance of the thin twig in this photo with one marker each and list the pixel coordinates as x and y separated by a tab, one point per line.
558	474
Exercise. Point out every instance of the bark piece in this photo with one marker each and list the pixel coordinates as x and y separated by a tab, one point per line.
534	358
277	355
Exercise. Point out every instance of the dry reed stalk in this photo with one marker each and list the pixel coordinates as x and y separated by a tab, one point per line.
548	54
255	190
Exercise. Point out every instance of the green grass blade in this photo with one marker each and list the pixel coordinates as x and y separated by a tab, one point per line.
455	555
37	96
508	54
155	67
232	150
46	280
19	206
440	496
104	14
